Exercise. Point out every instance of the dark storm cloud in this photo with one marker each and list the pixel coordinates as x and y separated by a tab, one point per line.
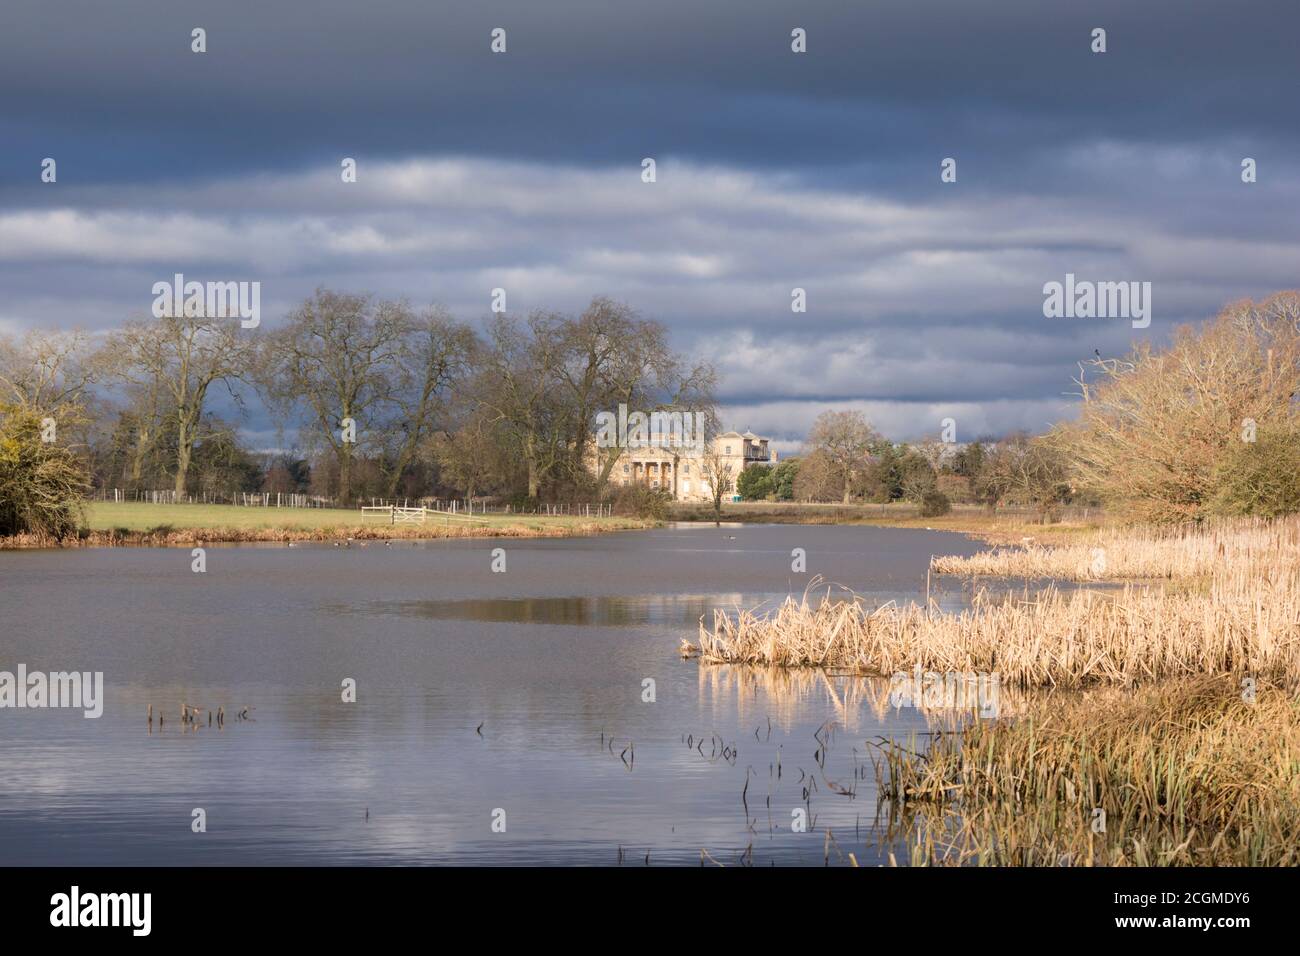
819	171
884	87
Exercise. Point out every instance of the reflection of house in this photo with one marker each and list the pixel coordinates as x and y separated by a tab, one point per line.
686	474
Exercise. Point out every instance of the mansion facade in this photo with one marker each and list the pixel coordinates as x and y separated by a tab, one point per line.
683	474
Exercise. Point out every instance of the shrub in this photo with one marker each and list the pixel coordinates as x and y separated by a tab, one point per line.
1260	477
935	503
638	501
1157	430
783	478
41	483
755	483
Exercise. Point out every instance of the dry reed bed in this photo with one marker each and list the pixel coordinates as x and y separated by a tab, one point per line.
1188	773
168	537
1143	553
1248	624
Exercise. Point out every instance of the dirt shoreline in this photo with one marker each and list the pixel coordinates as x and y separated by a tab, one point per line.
163	537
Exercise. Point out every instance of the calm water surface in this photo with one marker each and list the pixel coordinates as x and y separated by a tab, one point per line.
476	691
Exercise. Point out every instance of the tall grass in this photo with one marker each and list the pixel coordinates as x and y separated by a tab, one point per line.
1242	618
1247	624
1147	553
1187	773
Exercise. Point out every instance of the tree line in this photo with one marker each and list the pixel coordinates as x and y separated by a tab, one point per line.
368	396
1209	426
373	397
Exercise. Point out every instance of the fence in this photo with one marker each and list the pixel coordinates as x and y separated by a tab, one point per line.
258	499
394	514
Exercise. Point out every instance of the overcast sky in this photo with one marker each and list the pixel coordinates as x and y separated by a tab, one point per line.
820	170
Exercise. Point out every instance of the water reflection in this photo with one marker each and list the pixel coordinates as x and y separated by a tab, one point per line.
475	690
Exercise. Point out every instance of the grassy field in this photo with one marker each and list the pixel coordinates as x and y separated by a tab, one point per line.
136	523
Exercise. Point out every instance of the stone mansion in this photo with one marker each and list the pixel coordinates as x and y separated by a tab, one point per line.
684	474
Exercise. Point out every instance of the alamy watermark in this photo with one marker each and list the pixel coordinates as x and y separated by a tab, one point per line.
57	689
954	690
1084	299
211	300
75	909
673	430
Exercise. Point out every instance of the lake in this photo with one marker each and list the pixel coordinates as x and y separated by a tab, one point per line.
481	697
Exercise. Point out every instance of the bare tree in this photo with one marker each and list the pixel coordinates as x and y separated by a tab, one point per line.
1021	469
613	357
471	456
844	440
433	357
1154	426
47	372
719	474
183	357
518	379
334	363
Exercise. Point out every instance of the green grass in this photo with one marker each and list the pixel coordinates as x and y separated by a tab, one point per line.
140	516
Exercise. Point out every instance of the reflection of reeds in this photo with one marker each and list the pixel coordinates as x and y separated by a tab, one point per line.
1188	773
1248	622
1144	553
784	696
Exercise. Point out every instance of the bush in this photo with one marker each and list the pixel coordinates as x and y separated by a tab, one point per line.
783	479
1260	477
1158	431
638	501
935	503
755	483
957	488
41	483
